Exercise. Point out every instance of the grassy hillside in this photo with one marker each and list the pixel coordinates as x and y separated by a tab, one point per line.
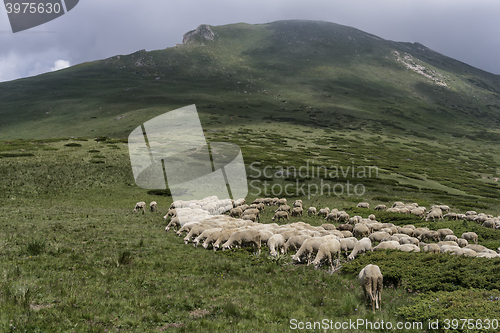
290	94
318	73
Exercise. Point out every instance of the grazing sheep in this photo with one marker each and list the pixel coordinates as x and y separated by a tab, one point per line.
312	211
346	233
276	243
489	224
170	213
470	236
297	211
381	207
462	242
211	238
324	212
444	208
450	243
236	212
331	216
451	216
371	280
452	238
297	203
205	234
328	226
347	244
223	237
268	201
153	206
444	232
432	248
476	247
372	217
408	248
363	245
251	217
398	204
342	216
347	227
282	201
185	228
174	223
406	231
238	202
420	212
389	245
295	242
281	215
429	235
283	208
242	238
470	212
327	251
309	248
433	214
361	230
140	206
363	205
408	240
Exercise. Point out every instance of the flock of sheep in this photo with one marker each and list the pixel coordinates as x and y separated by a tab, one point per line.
203	222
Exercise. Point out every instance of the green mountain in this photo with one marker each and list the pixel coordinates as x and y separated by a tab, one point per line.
312	73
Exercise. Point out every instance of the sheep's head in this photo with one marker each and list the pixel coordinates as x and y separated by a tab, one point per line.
167	228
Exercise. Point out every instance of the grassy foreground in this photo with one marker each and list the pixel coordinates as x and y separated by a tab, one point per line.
74	257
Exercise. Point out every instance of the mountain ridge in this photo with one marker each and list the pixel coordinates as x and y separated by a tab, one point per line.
348	77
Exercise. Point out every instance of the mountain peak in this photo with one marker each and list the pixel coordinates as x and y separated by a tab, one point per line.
203	32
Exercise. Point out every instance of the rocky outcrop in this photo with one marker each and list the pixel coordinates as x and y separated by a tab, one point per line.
203	32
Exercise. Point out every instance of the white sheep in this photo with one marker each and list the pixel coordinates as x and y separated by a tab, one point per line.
324	212
444	232
327	251
470	236
390	245
348	244
363	245
295	242
309	248
297	211
205	234
281	215
372	282
140	206
363	205
408	248
242	238
153	206
381	207
276	243
432	248
312	211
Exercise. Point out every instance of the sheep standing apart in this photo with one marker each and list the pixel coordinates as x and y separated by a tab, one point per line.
363	205
363	245
281	215
372	281
140	206
312	210
153	206
327	251
276	243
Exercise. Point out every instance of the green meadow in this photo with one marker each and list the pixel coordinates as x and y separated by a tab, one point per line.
324	113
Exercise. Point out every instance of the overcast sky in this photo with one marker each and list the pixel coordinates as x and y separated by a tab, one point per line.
467	30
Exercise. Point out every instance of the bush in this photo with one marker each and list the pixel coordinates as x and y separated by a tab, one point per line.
35	247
